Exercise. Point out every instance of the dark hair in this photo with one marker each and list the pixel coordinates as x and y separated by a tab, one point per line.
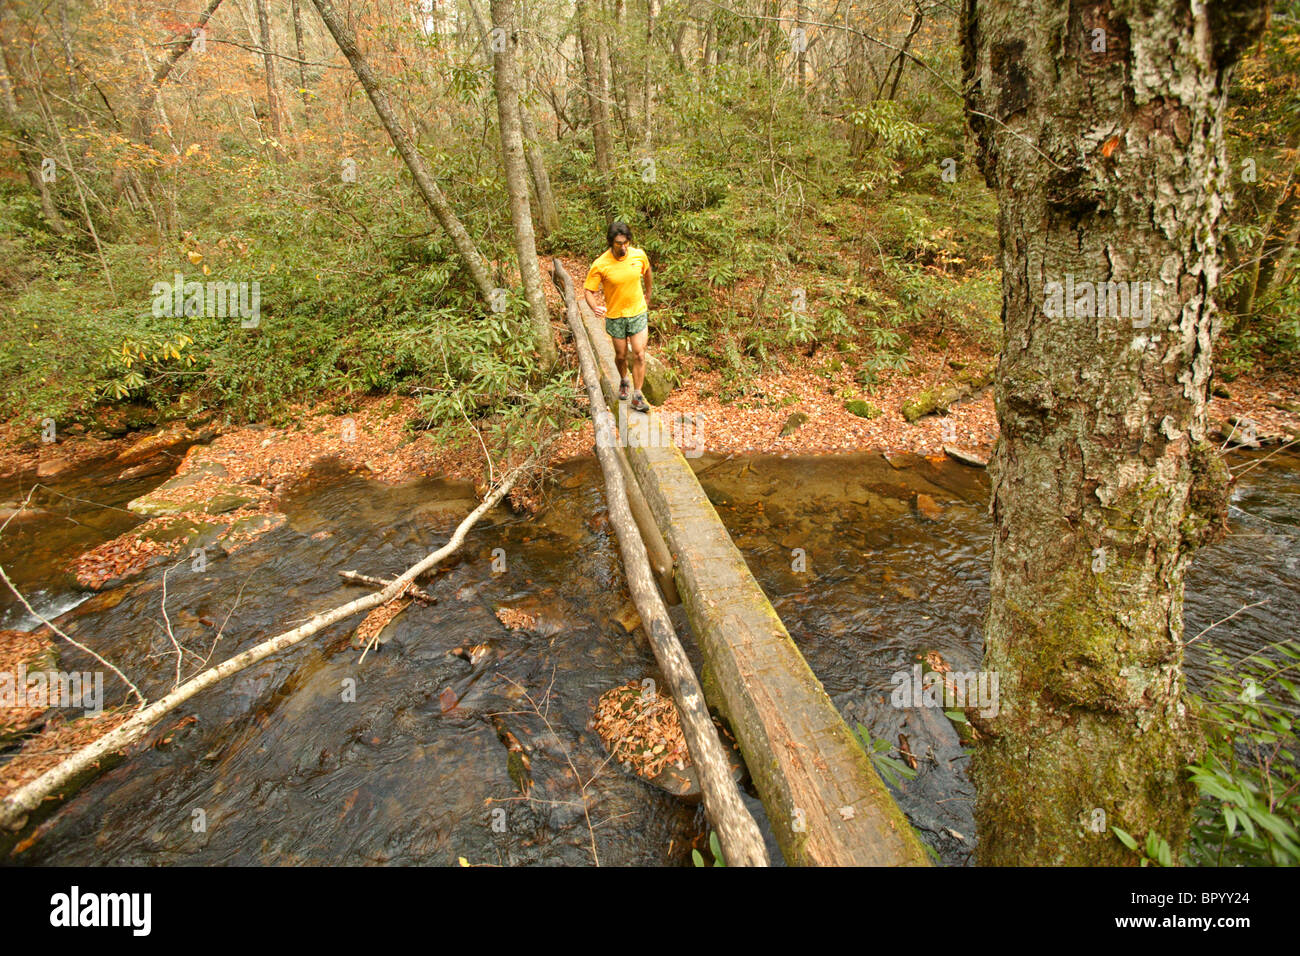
615	230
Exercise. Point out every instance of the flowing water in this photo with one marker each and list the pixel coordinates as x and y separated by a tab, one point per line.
311	757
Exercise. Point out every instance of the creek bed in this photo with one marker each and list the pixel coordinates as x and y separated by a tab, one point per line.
309	758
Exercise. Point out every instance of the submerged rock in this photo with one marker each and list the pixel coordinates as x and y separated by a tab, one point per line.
926	508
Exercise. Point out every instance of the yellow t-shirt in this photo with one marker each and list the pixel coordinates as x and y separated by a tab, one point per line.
621	281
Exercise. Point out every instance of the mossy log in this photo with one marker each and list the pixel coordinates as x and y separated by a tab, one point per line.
942	397
824	800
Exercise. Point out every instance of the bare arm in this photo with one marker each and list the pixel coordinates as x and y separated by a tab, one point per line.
591	301
648	283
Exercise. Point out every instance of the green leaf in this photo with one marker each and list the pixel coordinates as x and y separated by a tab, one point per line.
1125	838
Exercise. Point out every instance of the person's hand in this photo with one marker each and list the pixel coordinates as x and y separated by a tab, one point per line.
600	311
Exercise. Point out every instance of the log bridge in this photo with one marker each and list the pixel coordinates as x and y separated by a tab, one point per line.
825	802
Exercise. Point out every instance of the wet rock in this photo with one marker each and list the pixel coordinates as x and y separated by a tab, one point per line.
628	617
971	458
154	466
793	423
162	441
52	467
794	539
926	508
229	498
220	499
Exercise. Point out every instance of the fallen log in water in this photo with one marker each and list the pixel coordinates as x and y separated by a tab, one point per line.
742	843
15	807
824	800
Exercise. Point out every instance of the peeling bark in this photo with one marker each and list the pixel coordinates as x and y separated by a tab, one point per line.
1099	124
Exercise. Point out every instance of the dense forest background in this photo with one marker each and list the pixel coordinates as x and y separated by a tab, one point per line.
799	173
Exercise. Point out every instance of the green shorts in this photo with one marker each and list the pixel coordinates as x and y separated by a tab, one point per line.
626	326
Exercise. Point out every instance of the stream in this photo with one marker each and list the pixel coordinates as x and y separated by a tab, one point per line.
310	758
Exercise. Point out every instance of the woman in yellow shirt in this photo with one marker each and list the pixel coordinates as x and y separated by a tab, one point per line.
619	272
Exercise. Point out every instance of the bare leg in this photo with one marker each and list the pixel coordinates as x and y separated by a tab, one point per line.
620	356
637	343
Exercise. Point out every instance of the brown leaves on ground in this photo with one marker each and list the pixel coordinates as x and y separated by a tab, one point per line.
377	620
641	728
118	558
515	619
49	748
22	648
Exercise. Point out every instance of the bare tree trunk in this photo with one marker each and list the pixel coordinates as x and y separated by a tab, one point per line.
647	80
604	83
547	212
596	102
272	88
801	61
512	155
429	189
679	46
616	64
1110	168
1266	255
302	65
26	145
180	45
901	56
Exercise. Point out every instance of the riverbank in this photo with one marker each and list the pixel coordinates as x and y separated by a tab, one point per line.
798	408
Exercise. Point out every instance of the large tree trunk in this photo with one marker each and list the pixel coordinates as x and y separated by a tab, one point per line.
742	843
1109	166
512	155
429	189
596	103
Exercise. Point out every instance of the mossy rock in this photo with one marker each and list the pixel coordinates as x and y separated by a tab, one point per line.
197	534
793	423
862	408
658	381
224	498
